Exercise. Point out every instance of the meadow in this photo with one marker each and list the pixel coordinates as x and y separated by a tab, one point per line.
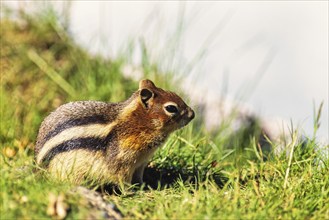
197	174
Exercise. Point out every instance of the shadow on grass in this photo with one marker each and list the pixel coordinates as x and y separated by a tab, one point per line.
160	178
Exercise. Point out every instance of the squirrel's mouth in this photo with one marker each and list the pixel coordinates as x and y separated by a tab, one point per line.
187	118
185	121
183	124
180	121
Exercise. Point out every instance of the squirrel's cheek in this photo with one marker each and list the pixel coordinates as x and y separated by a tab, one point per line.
157	123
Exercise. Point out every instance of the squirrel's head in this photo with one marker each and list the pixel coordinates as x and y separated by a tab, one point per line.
165	110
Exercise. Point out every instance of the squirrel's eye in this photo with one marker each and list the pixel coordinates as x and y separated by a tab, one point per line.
171	109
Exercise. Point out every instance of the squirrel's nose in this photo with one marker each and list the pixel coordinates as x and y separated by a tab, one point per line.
190	113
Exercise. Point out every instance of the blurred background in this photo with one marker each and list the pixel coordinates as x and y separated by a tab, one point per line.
270	56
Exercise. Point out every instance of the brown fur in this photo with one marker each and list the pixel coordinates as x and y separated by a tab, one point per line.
138	126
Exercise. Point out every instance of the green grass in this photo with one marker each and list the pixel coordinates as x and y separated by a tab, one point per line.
199	175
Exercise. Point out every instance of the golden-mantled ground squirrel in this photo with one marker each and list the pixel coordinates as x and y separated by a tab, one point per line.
109	142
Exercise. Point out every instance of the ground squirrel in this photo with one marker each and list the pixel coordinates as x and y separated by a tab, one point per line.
109	142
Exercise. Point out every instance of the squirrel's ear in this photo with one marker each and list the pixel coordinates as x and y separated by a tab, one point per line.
146	83
146	95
